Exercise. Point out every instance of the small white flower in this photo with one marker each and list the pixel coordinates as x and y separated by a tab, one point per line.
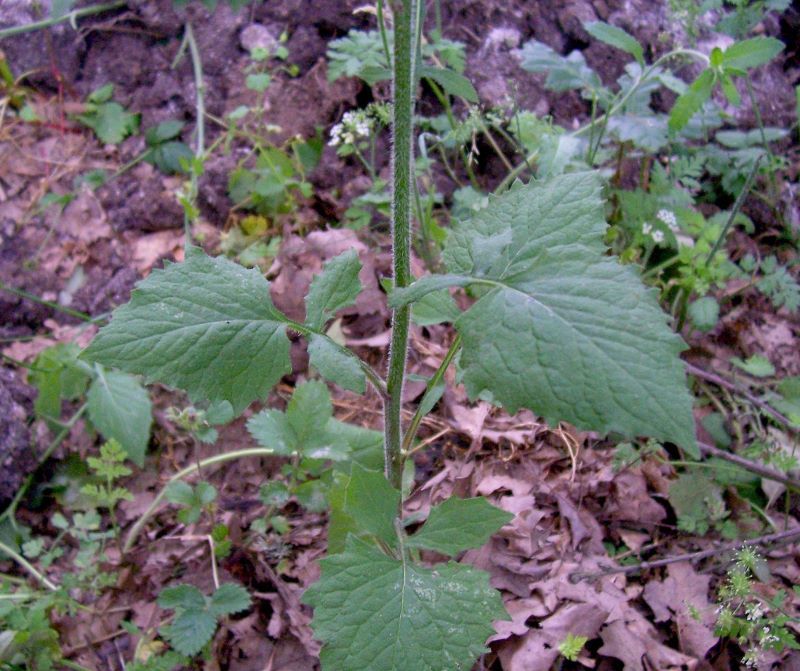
647	228
668	217
658	237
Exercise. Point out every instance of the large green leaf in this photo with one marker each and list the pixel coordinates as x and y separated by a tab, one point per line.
459	524
562	328
120	408
376	613
206	325
362	502
336	287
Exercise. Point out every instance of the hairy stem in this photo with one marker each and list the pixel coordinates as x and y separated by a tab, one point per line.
402	128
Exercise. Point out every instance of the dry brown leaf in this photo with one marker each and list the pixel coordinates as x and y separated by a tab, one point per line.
672	598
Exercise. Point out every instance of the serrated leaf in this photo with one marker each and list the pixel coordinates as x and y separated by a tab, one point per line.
228	599
119	407
111	122
190	631
751	53
206	325
691	101
184	597
437	307
563	329
362	503
459	524
335	364
452	82
303	428
704	313
56	375
336	287
376	613
616	37
180	492
756	365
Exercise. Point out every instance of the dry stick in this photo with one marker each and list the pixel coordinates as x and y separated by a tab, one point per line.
732	386
782	538
758	469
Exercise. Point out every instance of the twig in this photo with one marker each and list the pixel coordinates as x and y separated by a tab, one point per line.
753	467
69	16
732	386
781	538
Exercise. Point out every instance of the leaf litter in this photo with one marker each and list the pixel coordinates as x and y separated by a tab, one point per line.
570	505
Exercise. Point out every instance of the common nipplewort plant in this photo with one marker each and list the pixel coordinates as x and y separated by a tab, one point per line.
556	326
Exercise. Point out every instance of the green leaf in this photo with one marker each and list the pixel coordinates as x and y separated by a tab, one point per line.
336	364
258	81
756	365
704	313
206	325
228	599
166	130
303	428
459	524
452	82
437	307
111	122
730	90
616	37
101	95
183	597
336	287
120	408
362	503
751	53
563	329
57	375
691	101
190	631
376	613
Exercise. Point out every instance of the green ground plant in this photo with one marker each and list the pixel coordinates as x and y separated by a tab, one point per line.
547	296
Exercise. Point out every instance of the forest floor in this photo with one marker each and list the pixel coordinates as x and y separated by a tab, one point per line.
584	516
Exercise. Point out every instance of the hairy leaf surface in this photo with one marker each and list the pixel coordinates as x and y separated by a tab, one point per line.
561	328
336	364
459	524
206	325
376	613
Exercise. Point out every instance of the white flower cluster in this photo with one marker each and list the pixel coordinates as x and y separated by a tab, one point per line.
355	124
658	236
668	218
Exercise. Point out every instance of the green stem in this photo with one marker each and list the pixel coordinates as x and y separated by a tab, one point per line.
55	306
613	109
70	16
736	207
402	153
11	510
189	470
24	563
773	182
382	28
434	382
